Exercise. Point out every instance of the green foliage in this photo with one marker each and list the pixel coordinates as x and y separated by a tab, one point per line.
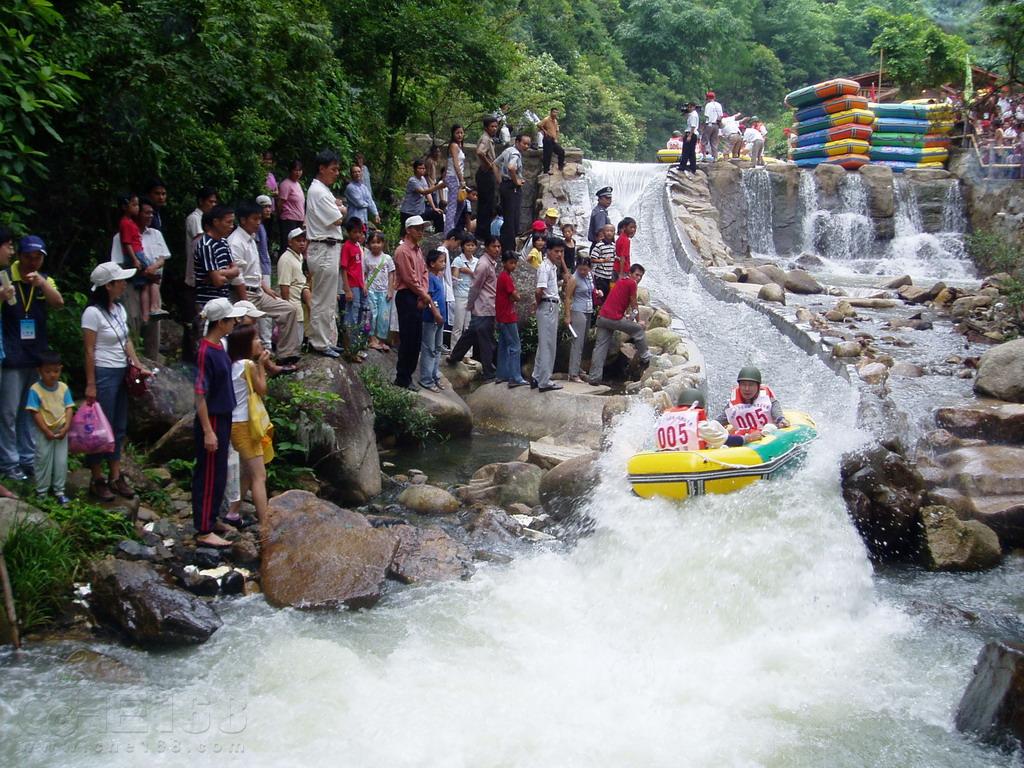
395	410
292	406
917	52
44	560
182	470
64	334
993	252
34	88
1003	24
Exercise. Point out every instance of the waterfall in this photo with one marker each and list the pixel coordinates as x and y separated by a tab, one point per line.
954	216
757	189
845	235
918	253
808	207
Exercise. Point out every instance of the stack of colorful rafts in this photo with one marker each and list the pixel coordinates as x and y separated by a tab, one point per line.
833	125
911	135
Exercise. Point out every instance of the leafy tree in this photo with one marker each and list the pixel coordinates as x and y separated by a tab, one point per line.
917	52
33	90
1004	22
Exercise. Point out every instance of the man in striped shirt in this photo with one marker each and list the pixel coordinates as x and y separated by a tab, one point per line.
217	276
602	260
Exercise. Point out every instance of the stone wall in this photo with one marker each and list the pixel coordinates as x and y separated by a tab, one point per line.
992	204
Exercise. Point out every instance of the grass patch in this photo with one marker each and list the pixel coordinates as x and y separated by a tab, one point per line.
396	411
45	560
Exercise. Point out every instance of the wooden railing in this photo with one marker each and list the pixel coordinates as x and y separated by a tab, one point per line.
992	160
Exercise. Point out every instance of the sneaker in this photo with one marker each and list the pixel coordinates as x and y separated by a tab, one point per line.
514	384
122	488
61	499
533	383
328	352
158	314
549	388
16	474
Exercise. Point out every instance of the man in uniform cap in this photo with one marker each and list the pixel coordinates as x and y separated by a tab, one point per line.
599	216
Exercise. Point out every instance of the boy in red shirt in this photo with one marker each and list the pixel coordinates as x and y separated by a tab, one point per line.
352	281
627	228
505	298
621	303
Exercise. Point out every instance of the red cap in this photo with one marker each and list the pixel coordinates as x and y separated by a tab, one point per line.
539	226
710	94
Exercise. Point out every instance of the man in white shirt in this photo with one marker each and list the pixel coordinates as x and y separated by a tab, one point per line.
688	158
731	135
547	316
323	228
755	144
713	113
244	252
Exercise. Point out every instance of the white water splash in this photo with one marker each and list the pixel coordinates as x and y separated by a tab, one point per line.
757	189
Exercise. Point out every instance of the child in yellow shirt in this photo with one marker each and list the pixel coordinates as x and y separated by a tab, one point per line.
50	403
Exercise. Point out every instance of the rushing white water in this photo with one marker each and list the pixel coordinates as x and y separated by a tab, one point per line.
843	235
740	630
918	253
757	189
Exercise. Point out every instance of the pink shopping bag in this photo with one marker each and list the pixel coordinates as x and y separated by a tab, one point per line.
90	431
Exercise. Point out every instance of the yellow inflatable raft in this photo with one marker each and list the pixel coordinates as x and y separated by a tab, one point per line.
669	155
681	474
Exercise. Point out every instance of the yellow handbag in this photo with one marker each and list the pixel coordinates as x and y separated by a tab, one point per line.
260	426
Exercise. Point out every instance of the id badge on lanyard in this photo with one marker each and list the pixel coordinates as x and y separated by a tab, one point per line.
28	329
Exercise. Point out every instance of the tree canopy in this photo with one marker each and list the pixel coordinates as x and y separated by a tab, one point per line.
99	95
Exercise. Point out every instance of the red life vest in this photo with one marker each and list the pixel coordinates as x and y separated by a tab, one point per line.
676	429
746	417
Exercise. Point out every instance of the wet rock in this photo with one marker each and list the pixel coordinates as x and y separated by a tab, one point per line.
662	337
1004	514
550	455
776	274
133	550
906	370
99	667
967	304
1001	372
198	583
318	555
206	557
986	469
913	324
493	527
992	707
847	349
951	544
883	494
998	421
752	275
429	554
772	292
897	282
873	373
244	550
809	261
566	487
504	484
798	281
428	500
341	442
232	583
135	599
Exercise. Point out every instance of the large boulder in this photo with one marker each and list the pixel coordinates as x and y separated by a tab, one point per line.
883	494
428	500
1003	422
178	442
170	397
772	292
986	469
566	487
1001	372
341	442
318	555
992	707
428	554
951	544
15	512
665	338
504	484
524	411
136	600
799	281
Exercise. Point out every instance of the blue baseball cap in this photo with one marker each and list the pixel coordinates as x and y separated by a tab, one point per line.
31	244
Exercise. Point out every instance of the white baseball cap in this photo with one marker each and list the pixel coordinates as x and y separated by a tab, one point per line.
263	200
415	221
250	308
221	309
297	232
108	272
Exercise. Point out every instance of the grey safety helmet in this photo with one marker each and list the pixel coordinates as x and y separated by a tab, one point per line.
749	373
689	396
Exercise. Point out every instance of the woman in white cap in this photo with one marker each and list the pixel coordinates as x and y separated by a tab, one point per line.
215	402
108	351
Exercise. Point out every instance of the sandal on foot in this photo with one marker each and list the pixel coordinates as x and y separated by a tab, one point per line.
212	540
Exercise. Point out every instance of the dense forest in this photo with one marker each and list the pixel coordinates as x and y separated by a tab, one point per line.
99	95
